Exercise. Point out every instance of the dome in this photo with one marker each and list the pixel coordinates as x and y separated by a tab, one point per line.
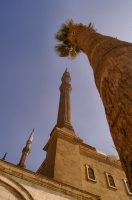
101	152
114	156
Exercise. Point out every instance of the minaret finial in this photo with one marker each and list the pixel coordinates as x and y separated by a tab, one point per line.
26	151
64	112
4	156
31	136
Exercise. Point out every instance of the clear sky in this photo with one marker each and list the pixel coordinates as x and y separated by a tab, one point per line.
30	73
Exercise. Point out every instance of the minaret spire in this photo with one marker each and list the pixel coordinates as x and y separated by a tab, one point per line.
26	151
4	156
64	112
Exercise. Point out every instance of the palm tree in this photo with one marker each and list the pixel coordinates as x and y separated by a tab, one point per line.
111	60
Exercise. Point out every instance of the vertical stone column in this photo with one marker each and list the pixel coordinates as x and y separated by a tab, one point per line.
26	151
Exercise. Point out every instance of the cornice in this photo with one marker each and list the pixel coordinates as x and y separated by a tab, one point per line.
101	156
13	170
58	131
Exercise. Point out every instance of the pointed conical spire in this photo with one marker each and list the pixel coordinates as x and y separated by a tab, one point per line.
26	151
31	136
4	156
64	112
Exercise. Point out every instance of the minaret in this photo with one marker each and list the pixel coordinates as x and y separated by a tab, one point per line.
64	112
26	151
4	156
62	162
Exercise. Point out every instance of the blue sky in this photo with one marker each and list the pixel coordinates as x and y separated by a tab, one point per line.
30	73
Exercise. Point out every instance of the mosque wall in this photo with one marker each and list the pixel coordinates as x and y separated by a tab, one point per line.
81	166
21	184
103	175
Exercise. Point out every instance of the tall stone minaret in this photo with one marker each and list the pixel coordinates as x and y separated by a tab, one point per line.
26	151
62	162
64	112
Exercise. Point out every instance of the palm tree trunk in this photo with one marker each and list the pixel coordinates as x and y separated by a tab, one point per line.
111	60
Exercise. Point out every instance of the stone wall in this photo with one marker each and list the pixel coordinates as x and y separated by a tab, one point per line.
102	165
13	188
20	184
72	160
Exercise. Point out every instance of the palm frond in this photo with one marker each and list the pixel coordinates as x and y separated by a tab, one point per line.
90	25
65	48
61	50
70	23
64	27
72	54
77	50
60	36
63	31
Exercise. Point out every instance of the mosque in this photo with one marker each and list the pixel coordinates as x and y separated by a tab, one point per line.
71	170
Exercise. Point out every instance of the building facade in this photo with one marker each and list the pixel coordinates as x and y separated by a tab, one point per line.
71	169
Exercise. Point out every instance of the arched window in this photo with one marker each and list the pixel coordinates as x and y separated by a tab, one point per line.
110	180
90	173
129	190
